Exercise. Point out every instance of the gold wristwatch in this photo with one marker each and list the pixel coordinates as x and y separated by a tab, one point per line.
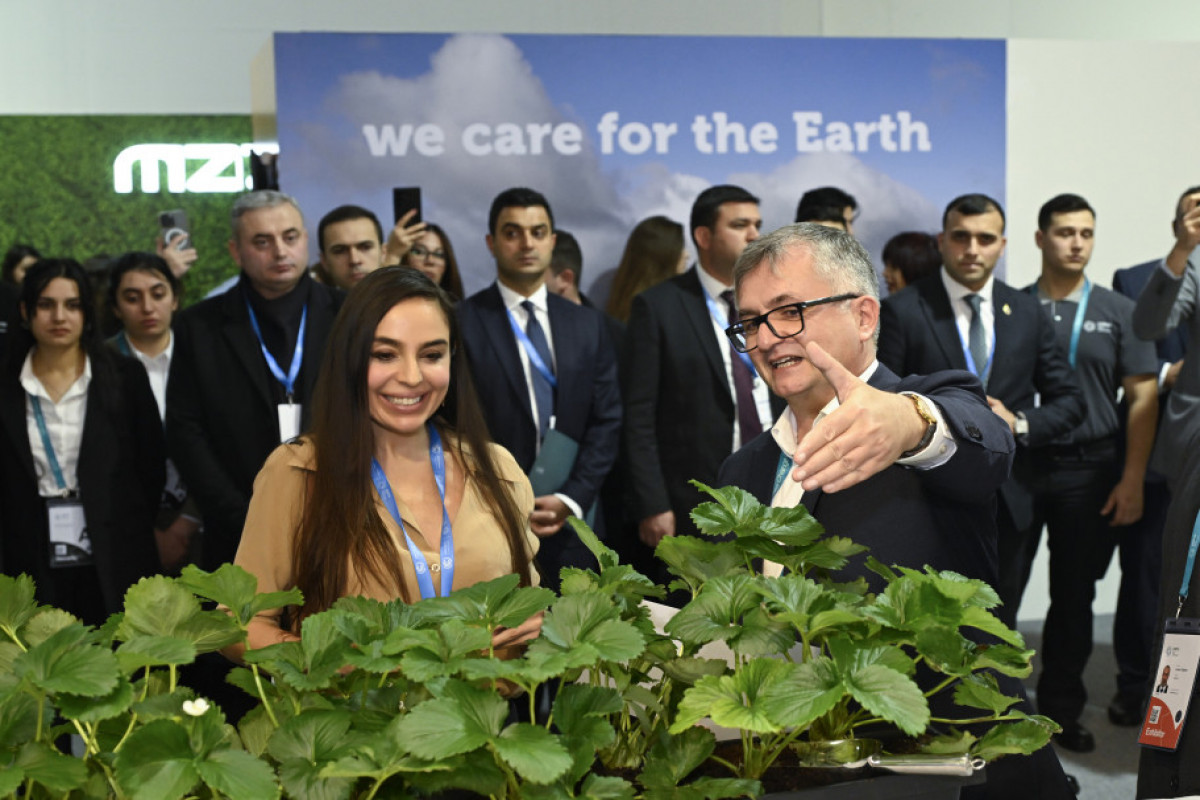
930	425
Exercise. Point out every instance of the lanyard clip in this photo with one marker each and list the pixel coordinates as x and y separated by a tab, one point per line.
1179	608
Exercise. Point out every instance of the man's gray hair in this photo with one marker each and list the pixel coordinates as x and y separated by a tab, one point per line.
837	257
263	198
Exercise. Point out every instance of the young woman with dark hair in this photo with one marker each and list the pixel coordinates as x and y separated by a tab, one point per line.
395	416
82	461
433	254
653	253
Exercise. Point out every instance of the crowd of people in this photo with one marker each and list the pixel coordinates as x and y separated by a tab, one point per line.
364	427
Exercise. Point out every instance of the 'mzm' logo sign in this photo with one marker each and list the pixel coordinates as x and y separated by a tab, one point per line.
194	168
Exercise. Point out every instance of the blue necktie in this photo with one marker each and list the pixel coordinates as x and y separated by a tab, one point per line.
543	393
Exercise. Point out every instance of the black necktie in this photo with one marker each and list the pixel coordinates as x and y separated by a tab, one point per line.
543	392
743	385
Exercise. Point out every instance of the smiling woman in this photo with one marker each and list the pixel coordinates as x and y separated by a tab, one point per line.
397	491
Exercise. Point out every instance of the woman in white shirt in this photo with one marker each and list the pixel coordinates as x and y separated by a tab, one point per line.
81	464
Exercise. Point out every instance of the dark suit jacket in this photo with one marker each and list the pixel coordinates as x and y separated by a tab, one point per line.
918	336
944	517
679	410
222	421
587	401
121	473
1130	282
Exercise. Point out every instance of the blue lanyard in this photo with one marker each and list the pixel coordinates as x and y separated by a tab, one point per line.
289	380
535	360
781	470
123	344
41	423
723	322
966	348
1077	326
1191	562
438	459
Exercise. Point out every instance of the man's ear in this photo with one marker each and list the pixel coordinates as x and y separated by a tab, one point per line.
234	254
867	316
568	277
703	237
488	240
1039	238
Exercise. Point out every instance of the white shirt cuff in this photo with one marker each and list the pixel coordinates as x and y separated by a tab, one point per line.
571	504
940	449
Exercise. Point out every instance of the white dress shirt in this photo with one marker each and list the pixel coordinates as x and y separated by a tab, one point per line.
512	301
791	493
64	424
157	369
762	395
962	312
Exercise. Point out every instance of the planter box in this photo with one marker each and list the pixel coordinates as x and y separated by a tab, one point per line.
888	787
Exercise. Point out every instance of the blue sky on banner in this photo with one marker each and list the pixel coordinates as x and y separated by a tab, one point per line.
616	128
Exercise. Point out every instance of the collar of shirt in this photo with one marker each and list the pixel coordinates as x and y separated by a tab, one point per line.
957	291
162	360
714	288
512	300
1074	297
34	387
784	430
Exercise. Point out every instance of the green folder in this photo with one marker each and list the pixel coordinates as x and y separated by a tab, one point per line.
553	466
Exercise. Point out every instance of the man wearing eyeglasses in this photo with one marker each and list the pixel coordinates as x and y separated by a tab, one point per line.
964	318
906	466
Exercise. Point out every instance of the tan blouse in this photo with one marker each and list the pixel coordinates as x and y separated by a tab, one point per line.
481	550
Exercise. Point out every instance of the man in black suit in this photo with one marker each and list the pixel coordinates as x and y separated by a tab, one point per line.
963	318
908	466
685	411
544	367
1135	625
245	365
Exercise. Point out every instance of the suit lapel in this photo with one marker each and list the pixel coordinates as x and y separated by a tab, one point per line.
935	304
1005	328
316	331
240	336
566	347
695	310
504	344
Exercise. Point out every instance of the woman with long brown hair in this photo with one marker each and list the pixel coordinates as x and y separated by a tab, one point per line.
653	253
397	491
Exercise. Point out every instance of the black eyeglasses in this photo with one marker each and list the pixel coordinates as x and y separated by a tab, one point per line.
785	322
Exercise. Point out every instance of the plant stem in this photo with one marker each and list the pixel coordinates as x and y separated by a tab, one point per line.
963	721
173	677
12	634
946	682
263	695
89	742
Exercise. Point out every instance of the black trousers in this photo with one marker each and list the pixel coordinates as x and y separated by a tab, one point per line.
1070	494
1136	625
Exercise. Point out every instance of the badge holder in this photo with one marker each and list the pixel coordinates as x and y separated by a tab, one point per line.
1175	677
70	545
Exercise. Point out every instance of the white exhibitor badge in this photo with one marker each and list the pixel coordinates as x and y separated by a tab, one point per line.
1173	682
69	542
289	421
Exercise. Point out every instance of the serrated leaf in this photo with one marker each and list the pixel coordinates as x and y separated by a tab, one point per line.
238	775
891	695
66	663
11	779
17	603
18	720
57	772
44	624
950	743
696	560
672	758
606	787
95	709
476	772
577	702
946	650
988	622
605	556
982	691
255	730
810	690
1010	661
689	670
154	651
443	727
523	604
1006	738
716	614
161	606
734	701
156	762
735	511
534	752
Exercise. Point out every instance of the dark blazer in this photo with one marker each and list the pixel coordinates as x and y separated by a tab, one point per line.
222	421
121	473
1130	282
587	400
918	336
679	409
944	517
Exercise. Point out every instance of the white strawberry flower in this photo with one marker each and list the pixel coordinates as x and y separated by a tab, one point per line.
195	708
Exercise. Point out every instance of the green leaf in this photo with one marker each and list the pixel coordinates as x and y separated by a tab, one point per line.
312	736
234	588
445	726
255	729
94	709
11	779
154	651
734	701
44	624
238	775
988	622
606	787
18	720
1002	658
735	511
891	695
1022	737
954	743
810	690
534	752
17	603
156	761
672	758
523	604
696	560
689	670
476	772
946	649
57	772
605	556
982	691
161	606
66	663
716	614
759	635
591	619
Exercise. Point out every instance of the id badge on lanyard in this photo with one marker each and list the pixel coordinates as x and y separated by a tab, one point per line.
70	545
1175	677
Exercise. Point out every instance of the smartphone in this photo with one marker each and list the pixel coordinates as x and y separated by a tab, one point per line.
174	225
405	199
